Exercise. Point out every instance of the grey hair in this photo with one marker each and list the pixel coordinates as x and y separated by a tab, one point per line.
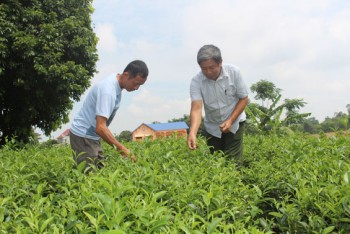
209	52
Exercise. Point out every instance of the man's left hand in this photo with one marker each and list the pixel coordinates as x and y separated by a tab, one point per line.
225	126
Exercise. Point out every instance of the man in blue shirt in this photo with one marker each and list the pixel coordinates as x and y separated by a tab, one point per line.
98	110
220	89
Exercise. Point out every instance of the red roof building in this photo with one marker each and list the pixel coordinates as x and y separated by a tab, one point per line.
64	137
159	130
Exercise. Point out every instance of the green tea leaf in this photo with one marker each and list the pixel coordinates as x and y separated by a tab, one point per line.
159	194
91	218
328	230
2	214
276	214
346	178
212	225
114	232
45	223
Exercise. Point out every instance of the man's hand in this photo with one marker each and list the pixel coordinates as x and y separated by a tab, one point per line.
192	141
133	158
225	126
126	153
103	131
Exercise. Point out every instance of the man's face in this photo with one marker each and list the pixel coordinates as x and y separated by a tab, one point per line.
211	69
132	84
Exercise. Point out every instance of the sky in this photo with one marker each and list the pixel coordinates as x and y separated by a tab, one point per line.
300	46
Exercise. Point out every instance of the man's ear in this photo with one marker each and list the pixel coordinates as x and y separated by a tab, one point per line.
126	75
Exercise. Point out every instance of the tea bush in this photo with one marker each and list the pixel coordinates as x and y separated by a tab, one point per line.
294	184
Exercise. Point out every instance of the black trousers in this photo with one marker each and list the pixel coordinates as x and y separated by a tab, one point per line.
230	144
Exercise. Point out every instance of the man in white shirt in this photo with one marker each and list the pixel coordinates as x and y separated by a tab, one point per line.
221	90
99	108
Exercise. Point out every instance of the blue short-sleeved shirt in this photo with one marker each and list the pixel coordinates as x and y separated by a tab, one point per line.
219	97
103	100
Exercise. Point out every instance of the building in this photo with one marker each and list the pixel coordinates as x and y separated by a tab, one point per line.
64	137
159	130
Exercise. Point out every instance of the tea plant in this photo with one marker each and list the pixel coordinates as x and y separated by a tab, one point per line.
295	184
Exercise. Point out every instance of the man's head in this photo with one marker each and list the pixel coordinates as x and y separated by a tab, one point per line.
134	75
210	61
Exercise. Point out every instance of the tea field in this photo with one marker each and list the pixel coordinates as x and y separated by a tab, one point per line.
291	184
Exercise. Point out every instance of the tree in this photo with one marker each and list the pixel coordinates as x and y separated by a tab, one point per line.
187	120
265	90
267	117
124	136
348	123
338	122
311	125
47	58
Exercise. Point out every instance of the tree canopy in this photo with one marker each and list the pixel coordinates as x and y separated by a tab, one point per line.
275	114
47	57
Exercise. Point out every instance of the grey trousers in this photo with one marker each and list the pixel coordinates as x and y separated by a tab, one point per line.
86	150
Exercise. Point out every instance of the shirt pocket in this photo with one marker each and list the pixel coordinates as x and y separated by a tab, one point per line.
231	91
230	94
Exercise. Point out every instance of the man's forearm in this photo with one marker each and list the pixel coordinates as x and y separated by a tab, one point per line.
195	122
242	103
108	137
195	117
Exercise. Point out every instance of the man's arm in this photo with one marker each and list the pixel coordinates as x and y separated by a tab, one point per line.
226	125
103	131
195	122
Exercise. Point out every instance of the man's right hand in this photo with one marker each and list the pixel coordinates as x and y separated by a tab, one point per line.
192	142
126	154
133	158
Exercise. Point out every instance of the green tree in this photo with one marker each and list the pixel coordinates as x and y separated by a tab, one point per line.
124	136
311	125
348	123
265	90
271	114
187	120
338	122
47	58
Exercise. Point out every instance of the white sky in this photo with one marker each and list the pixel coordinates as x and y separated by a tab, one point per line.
300	46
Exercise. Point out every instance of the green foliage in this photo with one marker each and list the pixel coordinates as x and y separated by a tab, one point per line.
265	90
295	184
273	115
124	136
47	57
311	125
187	120
340	121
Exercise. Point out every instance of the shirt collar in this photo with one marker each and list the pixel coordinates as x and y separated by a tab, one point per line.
224	72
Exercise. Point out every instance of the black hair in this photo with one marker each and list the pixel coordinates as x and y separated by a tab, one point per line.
137	67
